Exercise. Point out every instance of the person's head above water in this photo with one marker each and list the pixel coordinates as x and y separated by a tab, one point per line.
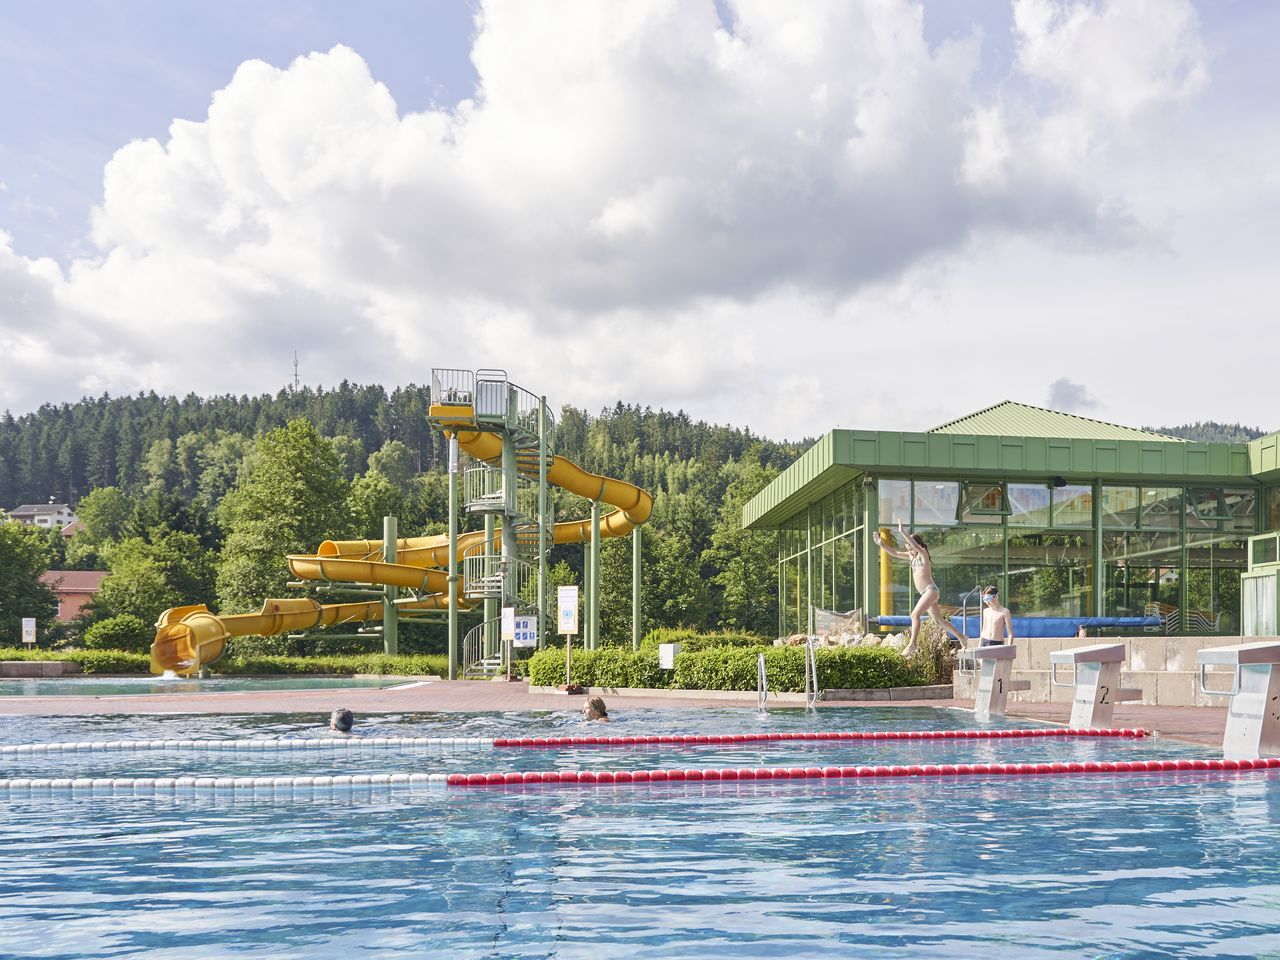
341	720
594	709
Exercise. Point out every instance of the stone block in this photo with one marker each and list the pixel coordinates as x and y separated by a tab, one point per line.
21	668
1145	680
1176	688
1147	653
1039	692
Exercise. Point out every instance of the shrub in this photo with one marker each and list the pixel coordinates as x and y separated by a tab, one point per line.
121	632
933	659
725	668
606	667
692	641
729	668
91	661
377	664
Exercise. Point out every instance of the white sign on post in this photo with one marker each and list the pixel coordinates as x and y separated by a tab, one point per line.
509	624
567	599
526	635
28	629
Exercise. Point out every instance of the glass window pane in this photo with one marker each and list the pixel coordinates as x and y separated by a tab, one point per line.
1120	507
1028	504
1241	507
846	559
1264	550
1141	573
1214	565
1161	508
895	502
935	502
1271	519
1205	507
1050	575
984	498
1073	506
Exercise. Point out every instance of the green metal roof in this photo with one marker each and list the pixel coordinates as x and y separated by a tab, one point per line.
842	455
1023	420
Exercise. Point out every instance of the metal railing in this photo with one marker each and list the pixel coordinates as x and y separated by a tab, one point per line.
483	575
452	386
482	488
481	643
810	673
762	683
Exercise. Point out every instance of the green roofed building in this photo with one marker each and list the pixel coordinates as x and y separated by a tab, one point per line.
1069	517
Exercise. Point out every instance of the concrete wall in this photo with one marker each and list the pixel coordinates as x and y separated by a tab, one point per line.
1163	668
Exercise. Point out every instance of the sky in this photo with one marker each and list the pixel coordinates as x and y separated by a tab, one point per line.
790	217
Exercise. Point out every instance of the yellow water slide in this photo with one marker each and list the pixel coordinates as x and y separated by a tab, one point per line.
189	637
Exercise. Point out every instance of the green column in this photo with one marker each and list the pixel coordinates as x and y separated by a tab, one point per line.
594	617
870	553
1098	569
491	605
586	594
635	588
453	557
390	623
542	516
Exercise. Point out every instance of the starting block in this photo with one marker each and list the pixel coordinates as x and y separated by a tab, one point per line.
994	665
1253	716
1097	683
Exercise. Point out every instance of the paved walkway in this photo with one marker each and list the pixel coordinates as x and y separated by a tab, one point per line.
1195	724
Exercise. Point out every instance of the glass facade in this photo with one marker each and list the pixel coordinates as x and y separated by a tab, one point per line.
1169	551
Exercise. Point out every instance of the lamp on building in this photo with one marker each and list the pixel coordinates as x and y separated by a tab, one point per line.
1059	481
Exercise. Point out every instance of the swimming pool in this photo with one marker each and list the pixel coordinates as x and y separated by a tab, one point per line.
1146	866
131	686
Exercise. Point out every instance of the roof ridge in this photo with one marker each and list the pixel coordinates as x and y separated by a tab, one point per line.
1058	413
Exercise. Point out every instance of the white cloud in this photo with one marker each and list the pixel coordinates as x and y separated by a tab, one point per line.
635	203
1069	396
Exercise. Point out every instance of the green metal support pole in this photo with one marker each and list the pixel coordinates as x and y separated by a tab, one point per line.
491	605
635	588
595	574
542	517
586	594
390	624
453	557
870	553
1099	580
510	562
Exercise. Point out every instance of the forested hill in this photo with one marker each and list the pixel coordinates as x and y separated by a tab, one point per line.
1210	431
65	451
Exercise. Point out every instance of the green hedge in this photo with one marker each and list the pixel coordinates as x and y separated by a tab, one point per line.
606	667
726	668
91	661
121	632
119	661
378	664
692	641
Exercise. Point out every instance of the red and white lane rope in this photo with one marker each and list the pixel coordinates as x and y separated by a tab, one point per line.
729	739
345	744
597	777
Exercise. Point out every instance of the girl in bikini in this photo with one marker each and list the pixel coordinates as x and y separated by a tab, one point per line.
922	572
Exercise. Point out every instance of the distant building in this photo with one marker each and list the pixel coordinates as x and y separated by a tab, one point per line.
75	588
46	516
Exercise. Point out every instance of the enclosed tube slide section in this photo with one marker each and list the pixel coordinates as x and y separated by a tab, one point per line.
188	637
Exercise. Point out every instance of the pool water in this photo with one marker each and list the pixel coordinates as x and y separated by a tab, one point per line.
1155	865
130	686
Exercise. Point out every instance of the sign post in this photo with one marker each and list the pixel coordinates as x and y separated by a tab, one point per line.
509	636
29	630
567	602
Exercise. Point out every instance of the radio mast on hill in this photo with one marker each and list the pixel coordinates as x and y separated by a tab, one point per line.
295	371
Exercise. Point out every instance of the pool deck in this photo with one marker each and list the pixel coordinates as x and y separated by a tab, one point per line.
1201	725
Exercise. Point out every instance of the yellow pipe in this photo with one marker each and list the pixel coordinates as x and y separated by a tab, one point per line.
886	575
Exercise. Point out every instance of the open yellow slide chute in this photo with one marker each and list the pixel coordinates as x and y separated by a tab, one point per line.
188	637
